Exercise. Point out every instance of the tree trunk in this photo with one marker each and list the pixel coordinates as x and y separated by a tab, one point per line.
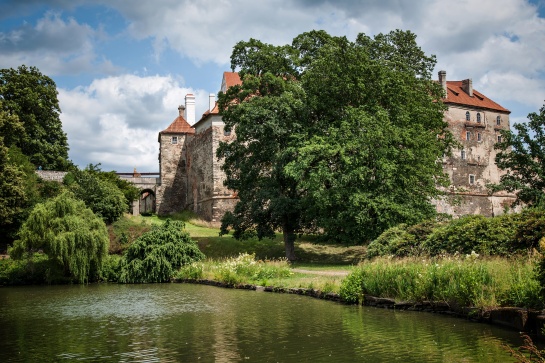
289	242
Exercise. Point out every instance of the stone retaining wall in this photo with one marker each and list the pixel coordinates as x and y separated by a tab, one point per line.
50	175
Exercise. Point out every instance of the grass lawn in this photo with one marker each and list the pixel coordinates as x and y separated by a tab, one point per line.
321	265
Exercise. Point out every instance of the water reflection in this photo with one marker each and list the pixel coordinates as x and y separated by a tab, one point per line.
181	323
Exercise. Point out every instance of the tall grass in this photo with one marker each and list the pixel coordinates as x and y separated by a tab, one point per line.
459	281
246	269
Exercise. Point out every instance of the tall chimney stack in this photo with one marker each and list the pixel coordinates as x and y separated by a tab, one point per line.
190	108
443	81
467	86
211	101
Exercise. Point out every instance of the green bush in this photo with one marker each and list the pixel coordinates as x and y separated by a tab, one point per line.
156	255
401	241
35	269
111	268
74	239
487	236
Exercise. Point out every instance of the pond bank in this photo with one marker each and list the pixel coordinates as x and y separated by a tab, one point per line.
519	319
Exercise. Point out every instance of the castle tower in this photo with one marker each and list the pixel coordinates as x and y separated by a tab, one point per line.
172	192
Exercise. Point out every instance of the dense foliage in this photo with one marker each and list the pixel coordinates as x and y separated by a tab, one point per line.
72	237
332	134
522	156
158	254
503	235
100	194
32	97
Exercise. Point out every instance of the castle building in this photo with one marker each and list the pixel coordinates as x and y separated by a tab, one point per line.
475	122
191	175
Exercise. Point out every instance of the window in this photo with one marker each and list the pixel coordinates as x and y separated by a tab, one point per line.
468	135
478	117
471	179
479	137
226	133
463	154
498	120
499	138
174	140
467	116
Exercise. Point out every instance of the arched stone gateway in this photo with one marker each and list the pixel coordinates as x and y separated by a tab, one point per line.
146	203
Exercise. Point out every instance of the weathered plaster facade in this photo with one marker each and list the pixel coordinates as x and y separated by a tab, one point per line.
476	122
191	175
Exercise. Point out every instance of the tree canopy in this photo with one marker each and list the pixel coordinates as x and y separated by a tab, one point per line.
32	97
99	193
334	134
522	156
69	233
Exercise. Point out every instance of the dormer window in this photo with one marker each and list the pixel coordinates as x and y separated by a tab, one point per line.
468	117
174	140
478	117
498	120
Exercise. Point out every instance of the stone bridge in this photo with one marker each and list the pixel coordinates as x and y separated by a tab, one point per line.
146	182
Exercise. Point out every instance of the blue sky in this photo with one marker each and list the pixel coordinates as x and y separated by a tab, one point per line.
122	67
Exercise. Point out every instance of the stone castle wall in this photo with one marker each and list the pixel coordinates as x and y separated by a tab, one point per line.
171	195
472	165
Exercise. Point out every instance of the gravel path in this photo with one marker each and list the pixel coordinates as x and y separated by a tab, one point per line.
321	272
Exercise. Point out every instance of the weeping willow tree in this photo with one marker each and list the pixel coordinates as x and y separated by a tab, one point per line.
70	234
157	254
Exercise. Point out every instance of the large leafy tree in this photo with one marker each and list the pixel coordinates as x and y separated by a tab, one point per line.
344	136
69	233
32	97
100	194
369	157
522	156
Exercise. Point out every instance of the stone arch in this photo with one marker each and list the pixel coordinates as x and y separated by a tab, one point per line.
146	202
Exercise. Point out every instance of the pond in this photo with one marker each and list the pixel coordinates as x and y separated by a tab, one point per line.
190	323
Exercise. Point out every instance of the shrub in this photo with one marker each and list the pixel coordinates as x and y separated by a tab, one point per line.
35	269
157	254
488	236
74	239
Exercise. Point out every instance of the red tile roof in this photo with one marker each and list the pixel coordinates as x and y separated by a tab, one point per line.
179	126
231	79
456	95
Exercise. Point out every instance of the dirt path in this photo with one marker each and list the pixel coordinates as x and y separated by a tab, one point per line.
321	272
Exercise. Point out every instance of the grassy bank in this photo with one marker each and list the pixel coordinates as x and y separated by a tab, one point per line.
459	281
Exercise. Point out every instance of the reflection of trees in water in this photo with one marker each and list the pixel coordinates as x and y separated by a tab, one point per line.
389	335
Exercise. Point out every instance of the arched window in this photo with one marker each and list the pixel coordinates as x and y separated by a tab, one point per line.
478	117
498	120
467	116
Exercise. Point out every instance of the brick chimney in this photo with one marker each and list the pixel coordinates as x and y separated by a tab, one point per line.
181	110
443	81
190	108
467	86
211	101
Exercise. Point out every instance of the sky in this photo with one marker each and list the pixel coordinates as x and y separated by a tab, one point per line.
122	67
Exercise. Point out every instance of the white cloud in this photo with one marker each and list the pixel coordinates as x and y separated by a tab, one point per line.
115	120
54	45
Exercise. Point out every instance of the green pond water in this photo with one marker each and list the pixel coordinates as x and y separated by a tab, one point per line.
195	323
